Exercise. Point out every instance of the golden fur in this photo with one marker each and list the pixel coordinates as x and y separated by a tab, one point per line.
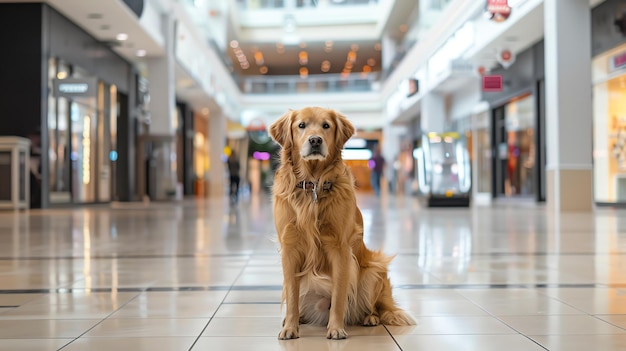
330	277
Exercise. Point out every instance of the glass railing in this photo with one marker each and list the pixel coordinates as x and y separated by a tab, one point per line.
323	83
282	4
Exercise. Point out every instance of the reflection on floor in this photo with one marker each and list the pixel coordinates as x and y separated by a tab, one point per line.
206	276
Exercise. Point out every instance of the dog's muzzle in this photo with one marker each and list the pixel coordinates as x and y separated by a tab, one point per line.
316	144
314	149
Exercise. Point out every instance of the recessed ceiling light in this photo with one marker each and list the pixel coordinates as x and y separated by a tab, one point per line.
325	66
304	72
141	53
121	36
234	44
62	75
263	70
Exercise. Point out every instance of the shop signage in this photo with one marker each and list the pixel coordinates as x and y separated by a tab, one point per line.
75	87
492	83
499	10
410	86
506	57
618	62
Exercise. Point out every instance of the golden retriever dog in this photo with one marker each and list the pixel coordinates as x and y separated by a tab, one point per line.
330	277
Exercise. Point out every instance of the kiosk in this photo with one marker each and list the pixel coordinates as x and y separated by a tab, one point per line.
443	170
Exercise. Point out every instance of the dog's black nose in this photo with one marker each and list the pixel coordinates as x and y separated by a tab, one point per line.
315	141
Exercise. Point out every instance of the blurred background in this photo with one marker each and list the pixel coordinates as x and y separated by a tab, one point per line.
481	100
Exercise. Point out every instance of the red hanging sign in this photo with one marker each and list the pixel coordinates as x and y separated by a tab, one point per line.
492	83
499	9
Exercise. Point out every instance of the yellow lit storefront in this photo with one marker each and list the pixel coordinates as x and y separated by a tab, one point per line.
200	153
609	126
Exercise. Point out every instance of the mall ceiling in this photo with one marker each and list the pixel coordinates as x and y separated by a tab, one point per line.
317	57
329	52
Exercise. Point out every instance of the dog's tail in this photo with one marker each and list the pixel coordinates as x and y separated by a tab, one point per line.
396	317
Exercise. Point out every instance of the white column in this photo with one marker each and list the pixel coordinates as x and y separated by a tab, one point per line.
217	141
388	51
568	105
162	83
162	110
433	113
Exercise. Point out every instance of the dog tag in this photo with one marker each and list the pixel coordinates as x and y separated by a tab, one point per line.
314	192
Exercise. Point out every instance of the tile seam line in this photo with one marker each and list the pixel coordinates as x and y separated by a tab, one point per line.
503	322
248	259
393	337
100	322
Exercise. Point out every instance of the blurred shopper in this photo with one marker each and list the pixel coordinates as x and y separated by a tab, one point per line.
233	170
376	165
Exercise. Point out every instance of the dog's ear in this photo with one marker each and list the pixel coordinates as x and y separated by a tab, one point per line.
280	130
345	129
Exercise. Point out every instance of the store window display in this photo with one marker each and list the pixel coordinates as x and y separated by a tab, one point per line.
609	126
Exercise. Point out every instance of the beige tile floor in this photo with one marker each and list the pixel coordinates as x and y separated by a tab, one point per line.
202	275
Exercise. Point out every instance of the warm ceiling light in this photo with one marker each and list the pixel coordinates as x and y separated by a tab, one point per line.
352	56
121	36
280	48
354	47
378	47
303	57
348	65
325	66
258	57
367	69
263	70
234	44
245	65
62	75
371	62
304	72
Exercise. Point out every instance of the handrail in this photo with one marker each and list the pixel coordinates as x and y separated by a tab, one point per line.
322	83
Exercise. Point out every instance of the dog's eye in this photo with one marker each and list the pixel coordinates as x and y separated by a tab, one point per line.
301	125
325	125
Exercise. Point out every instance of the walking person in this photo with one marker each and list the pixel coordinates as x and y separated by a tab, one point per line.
377	165
233	170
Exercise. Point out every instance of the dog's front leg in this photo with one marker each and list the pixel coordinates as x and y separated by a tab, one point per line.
339	259
291	261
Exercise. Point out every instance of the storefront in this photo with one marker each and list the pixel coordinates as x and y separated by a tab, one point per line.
609	104
82	130
515	136
75	98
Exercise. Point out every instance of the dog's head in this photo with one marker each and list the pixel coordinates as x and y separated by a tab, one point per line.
315	133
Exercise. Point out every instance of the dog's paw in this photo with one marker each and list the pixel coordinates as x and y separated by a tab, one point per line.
371	321
336	334
288	333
